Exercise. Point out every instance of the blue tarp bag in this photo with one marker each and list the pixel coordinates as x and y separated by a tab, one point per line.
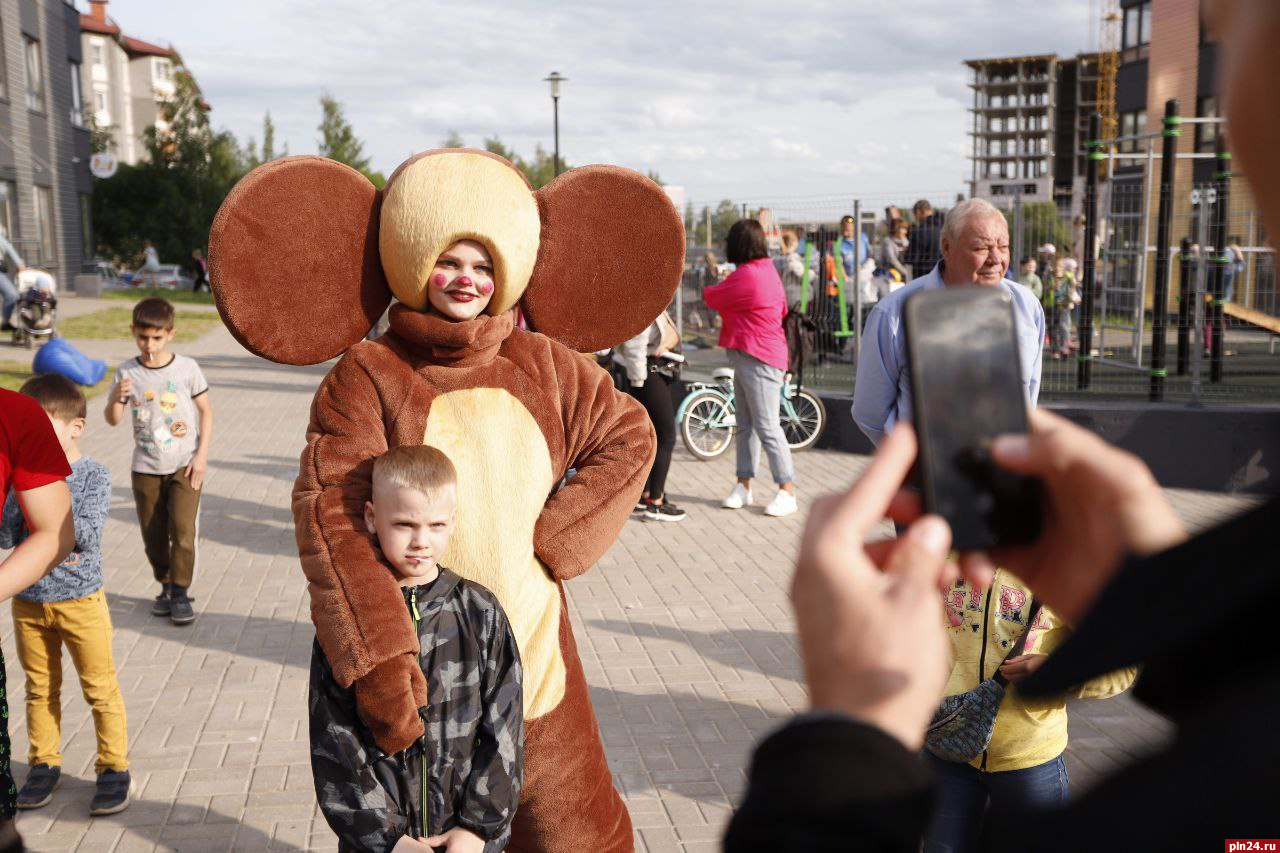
59	356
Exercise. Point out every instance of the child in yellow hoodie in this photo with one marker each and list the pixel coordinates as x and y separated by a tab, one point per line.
1022	767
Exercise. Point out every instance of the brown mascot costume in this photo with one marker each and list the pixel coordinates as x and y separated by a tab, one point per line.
305	257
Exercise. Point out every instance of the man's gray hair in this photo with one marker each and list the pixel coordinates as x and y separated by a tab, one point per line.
958	217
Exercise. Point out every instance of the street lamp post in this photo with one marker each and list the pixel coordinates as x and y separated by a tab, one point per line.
555	80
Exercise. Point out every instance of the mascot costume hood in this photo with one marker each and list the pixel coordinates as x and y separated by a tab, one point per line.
305	255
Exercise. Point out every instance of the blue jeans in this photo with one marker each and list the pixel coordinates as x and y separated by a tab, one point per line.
8	297
964	793
757	394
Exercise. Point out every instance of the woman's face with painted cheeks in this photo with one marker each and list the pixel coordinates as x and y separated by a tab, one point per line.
460	285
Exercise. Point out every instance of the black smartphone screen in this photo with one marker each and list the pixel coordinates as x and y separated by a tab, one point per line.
966	382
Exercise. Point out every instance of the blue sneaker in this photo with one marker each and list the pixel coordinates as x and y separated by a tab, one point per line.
38	790
112	792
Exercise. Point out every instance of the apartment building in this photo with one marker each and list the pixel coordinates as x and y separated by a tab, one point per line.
126	80
45	184
1030	120
1167	53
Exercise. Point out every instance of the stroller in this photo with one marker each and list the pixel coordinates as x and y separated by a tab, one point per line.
36	313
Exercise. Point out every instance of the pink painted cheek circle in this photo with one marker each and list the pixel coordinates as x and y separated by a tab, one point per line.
485	288
439	279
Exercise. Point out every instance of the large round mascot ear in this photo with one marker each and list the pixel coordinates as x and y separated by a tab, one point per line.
610	257
293	259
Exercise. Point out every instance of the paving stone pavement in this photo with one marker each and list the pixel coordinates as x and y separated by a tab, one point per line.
684	630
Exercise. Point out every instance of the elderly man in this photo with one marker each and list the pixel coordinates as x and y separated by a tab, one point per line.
975	251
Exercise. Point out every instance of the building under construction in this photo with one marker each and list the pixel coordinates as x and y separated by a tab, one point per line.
1030	123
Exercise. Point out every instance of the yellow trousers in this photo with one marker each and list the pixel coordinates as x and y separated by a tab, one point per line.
84	626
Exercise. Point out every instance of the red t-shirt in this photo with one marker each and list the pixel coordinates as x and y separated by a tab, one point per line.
30	456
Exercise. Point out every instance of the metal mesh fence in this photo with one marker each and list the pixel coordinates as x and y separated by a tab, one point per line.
835	279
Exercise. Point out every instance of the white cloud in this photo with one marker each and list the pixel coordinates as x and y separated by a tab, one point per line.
747	101
802	150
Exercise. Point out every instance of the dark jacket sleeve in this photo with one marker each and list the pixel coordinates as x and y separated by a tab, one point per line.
357	794
819	785
497	768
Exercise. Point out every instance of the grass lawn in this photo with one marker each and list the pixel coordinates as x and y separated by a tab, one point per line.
13	374
185	297
112	324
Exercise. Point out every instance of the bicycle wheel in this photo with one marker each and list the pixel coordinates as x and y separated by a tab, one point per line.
707	428
803	418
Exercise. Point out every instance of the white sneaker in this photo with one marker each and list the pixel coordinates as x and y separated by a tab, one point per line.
783	503
738	498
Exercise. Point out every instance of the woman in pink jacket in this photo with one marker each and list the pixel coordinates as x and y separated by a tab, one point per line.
752	304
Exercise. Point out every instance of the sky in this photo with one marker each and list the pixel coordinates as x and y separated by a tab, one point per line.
739	100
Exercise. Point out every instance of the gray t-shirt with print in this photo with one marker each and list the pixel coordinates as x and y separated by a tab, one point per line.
166	424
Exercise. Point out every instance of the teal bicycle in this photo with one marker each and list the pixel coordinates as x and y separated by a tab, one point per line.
707	418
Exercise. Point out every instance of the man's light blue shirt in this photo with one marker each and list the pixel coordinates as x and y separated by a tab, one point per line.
882	390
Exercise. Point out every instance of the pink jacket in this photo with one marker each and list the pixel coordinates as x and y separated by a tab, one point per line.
752	304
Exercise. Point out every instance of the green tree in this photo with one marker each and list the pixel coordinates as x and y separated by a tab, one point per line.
540	170
452	139
252	158
1041	223
269	139
338	140
172	196
722	219
494	145
652	174
100	139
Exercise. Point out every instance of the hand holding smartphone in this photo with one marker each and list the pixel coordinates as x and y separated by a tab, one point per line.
966	383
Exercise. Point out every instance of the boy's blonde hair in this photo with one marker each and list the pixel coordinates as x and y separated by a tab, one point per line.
420	467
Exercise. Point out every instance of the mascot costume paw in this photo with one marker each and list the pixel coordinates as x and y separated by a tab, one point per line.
305	256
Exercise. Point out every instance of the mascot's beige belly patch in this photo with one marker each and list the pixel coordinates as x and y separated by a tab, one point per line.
504	477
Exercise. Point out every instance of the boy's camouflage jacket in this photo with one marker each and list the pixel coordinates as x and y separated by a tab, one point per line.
474	741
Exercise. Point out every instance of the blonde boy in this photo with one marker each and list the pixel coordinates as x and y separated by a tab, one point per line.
463	778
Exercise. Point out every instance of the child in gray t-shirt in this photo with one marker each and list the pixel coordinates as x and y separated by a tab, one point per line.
166	395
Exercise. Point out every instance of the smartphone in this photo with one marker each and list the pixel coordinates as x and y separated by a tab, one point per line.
966	388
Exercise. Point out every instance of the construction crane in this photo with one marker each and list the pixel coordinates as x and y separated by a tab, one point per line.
1108	65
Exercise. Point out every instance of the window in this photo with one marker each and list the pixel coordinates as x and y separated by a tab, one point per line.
35	76
161	70
1206	134
95	49
1136	39
44	225
77	97
1132	124
9	209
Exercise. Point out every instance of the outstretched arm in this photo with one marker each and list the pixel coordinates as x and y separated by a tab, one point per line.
610	442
